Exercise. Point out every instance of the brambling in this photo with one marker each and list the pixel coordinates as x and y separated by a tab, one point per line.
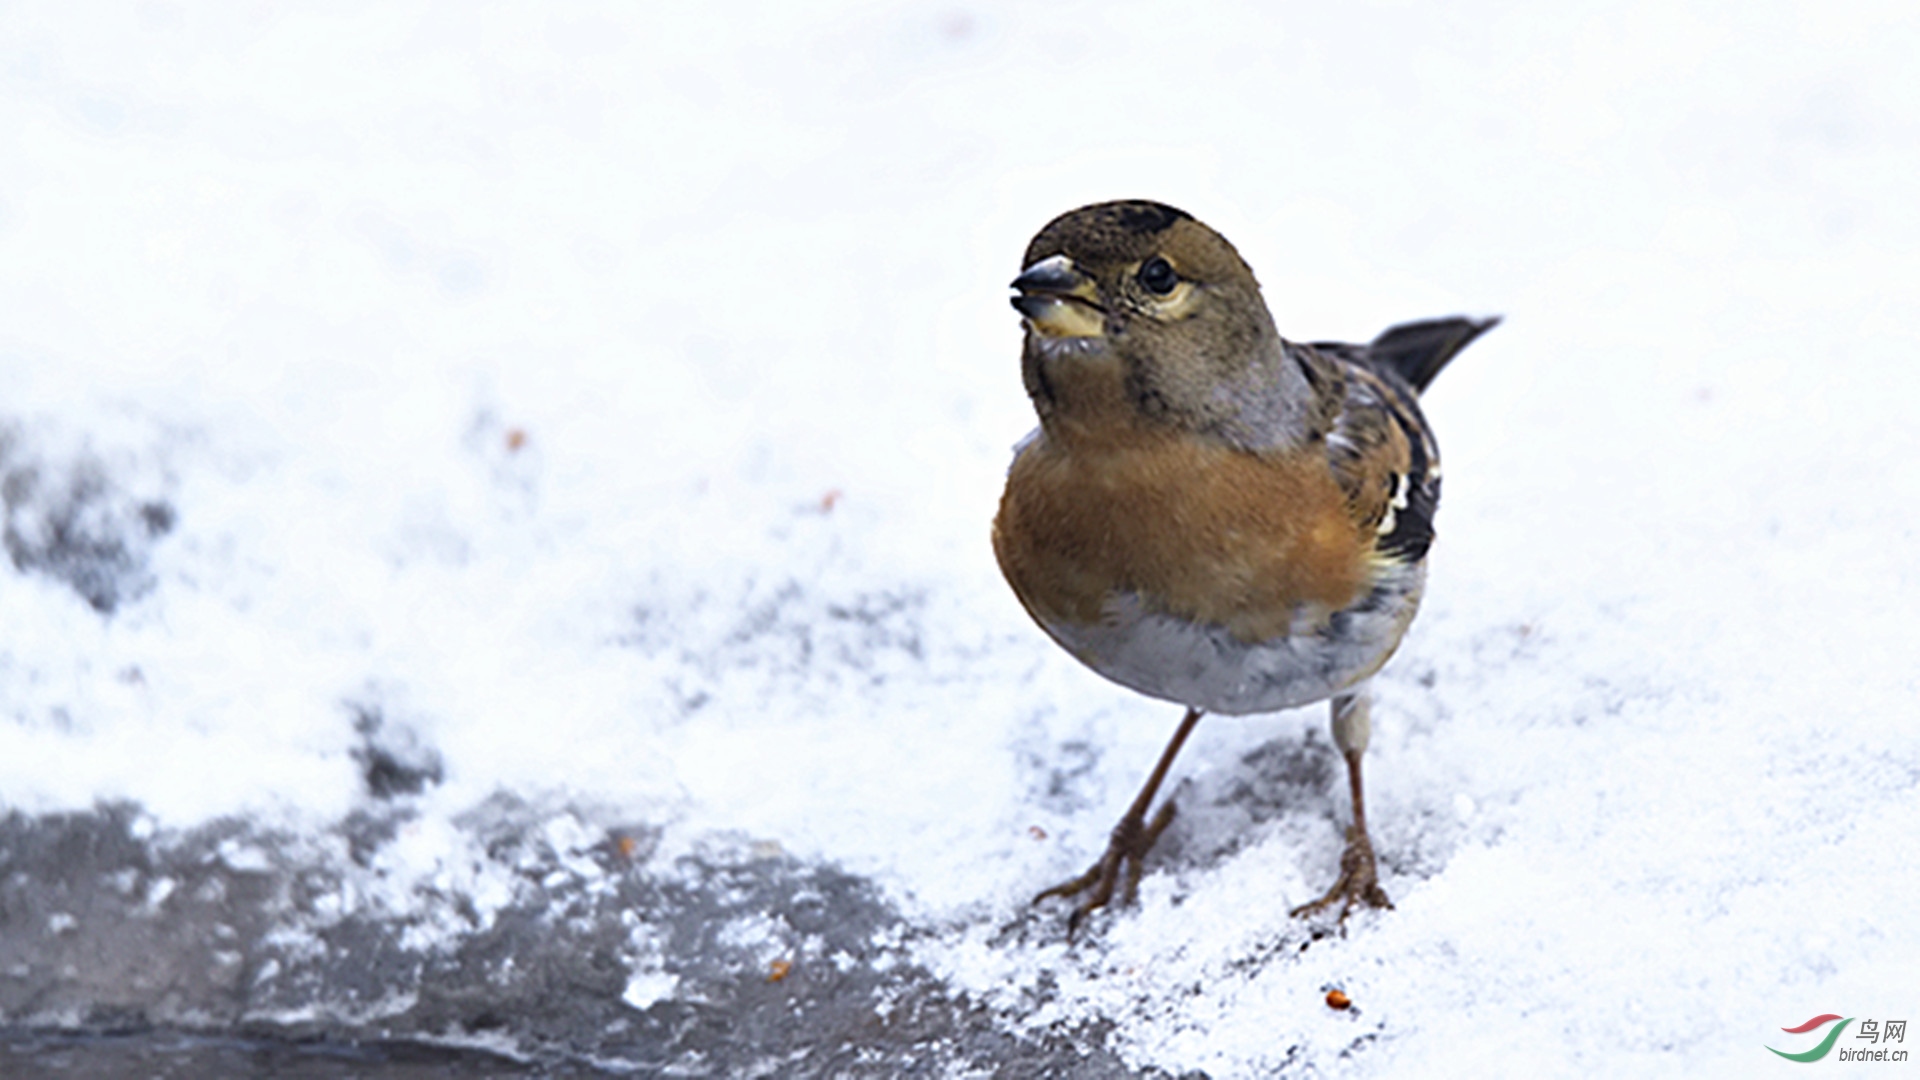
1209	513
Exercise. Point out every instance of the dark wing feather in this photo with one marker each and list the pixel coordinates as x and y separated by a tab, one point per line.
1379	447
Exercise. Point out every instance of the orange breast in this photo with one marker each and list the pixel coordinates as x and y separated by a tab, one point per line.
1196	528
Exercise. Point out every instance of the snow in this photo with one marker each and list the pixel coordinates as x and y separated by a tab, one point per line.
604	409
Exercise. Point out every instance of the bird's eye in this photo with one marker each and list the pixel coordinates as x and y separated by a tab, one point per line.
1158	276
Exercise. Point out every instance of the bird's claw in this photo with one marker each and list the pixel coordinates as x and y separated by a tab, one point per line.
1359	880
1128	847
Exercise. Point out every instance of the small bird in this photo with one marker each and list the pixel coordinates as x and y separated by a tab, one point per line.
1209	513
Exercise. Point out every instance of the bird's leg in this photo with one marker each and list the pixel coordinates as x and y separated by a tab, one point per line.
1131	840
1352	726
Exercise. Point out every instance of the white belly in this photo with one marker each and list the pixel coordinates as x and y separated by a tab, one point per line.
1204	666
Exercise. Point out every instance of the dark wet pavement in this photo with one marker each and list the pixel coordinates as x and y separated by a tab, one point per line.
226	952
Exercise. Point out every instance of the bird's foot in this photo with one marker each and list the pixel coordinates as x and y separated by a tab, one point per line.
1128	848
1359	881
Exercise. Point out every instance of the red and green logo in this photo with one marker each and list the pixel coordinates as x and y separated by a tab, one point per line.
1826	1044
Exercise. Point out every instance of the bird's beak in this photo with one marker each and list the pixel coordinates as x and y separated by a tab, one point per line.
1059	300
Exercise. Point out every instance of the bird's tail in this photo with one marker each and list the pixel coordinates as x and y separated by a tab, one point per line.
1416	351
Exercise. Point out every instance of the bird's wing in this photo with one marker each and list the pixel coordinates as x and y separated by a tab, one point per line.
1378	445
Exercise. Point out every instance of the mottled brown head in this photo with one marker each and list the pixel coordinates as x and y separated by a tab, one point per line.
1111	231
1137	313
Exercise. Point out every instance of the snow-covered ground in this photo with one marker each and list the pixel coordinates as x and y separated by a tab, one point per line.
496	503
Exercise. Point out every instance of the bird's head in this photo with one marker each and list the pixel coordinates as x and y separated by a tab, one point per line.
1135	311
